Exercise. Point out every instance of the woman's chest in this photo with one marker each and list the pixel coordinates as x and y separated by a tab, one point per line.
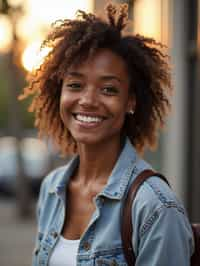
79	209
100	242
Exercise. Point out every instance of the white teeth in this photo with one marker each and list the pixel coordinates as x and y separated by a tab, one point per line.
88	119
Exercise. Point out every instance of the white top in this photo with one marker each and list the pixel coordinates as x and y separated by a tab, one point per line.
64	252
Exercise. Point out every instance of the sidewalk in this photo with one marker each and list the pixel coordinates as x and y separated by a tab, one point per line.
17	237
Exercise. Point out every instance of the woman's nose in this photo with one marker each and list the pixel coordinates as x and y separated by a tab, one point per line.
89	98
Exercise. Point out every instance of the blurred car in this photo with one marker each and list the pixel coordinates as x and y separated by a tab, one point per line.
35	162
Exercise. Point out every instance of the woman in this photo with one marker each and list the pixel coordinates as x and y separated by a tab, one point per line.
103	95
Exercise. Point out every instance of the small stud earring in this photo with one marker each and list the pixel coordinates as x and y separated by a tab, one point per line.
131	112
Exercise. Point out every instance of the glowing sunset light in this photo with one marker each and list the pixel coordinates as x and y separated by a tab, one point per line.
147	18
48	11
5	34
16	3
35	23
28	30
38	18
33	57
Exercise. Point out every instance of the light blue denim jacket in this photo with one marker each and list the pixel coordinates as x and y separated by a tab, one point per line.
162	234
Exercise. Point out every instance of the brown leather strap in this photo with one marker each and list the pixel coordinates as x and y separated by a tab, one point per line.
126	223
195	259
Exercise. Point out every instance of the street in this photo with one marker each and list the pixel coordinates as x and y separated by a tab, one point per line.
16	236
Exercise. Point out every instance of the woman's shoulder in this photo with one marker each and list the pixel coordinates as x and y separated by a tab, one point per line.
157	207
155	197
155	191
156	212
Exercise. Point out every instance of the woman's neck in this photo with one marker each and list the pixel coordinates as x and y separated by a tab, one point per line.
97	161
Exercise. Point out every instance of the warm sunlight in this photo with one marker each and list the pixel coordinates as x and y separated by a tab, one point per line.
147	18
48	11
16	3
33	57
5	34
39	16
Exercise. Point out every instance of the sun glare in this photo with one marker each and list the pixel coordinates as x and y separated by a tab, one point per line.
38	18
34	24
48	11
33	57
16	3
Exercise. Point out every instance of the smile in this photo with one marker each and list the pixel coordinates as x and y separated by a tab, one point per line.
88	119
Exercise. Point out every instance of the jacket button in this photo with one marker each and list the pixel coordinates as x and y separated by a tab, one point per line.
54	234
36	251
86	245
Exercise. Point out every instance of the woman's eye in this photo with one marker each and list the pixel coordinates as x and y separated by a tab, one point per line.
110	90
73	86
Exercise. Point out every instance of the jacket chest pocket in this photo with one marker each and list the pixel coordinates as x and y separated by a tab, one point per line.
116	260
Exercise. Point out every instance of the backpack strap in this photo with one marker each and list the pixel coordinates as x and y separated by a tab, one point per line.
126	222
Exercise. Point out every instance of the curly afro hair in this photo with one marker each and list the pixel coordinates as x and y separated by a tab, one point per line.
74	40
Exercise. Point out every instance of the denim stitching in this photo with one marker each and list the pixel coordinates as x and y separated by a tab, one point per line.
164	200
131	170
147	225
150	221
114	251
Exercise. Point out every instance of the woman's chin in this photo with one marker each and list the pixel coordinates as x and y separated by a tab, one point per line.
88	140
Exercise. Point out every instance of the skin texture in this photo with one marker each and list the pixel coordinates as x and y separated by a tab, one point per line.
104	93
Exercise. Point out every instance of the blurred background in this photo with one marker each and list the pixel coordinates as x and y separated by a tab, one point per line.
25	160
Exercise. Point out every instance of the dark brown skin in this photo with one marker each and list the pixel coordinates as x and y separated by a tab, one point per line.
98	87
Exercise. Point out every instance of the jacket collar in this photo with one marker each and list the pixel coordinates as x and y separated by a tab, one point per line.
117	181
122	172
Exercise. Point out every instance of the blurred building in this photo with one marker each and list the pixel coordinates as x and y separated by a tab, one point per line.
177	24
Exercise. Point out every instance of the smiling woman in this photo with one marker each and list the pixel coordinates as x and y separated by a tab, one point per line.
103	95
98	102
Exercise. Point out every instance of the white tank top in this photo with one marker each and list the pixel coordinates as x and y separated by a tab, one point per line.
64	252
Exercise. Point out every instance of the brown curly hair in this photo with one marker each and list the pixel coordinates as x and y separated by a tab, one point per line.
74	40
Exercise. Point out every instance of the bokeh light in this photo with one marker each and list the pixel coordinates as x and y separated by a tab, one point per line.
34	24
147	18
33	56
5	34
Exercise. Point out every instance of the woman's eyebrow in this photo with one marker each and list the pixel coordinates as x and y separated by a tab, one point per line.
103	77
110	77
74	74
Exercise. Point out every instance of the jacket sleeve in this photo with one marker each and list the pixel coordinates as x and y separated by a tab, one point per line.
165	238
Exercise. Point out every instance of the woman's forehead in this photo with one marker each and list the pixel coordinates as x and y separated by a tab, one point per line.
104	63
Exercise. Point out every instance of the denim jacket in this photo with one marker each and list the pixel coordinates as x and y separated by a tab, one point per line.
162	234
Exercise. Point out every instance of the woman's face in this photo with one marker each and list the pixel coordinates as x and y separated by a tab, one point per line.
95	98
